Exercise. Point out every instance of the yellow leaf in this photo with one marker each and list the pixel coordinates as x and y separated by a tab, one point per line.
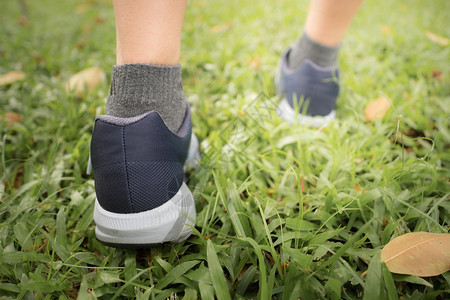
11	77
418	253
87	79
443	41
377	109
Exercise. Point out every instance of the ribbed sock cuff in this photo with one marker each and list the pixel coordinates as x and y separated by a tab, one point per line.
139	88
307	48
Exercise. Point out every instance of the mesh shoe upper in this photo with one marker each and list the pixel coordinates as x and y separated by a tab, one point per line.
138	162
318	85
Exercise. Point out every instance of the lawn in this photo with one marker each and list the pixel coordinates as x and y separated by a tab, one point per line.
284	211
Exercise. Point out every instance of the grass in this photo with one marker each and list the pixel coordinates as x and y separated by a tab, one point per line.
284	211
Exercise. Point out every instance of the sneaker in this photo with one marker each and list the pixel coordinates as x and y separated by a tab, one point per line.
314	89
138	162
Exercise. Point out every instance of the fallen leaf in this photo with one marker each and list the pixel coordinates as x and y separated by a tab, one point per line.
269	257
254	63
23	20
220	27
11	77
81	44
82	8
386	30
241	112
284	266
302	185
377	109
443	41
437	75
86	27
99	19
418	253
11	119
87	79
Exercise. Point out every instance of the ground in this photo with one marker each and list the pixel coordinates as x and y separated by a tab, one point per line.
283	210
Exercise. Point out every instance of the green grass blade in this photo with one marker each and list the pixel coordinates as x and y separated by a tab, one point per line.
374	279
175	273
347	245
61	231
216	272
389	282
206	290
247	278
130	268
263	293
235	202
22	234
412	279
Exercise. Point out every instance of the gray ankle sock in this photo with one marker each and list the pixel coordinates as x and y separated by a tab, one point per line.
306	48
140	88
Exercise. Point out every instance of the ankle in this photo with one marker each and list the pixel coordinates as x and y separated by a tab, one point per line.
140	88
305	48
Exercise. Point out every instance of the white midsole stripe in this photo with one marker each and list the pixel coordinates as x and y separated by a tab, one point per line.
148	226
287	113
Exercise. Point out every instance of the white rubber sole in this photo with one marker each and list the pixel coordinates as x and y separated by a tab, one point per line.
287	113
167	223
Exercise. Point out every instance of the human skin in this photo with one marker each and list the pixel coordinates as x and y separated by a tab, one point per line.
149	31
328	20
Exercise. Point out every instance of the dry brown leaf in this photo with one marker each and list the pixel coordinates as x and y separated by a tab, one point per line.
86	27
254	63
220	27
437	74
23	20
82	8
99	19
11	118
443	41
377	109
241	112
386	30
418	253
87	79
11	77
302	185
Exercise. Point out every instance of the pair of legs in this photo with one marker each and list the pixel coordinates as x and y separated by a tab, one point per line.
149	31
140	145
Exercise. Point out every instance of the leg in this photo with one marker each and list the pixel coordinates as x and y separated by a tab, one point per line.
308	70
328	20
140	145
149	32
148	50
325	27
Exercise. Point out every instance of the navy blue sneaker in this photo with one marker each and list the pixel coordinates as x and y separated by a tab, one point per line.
311	89
138	162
